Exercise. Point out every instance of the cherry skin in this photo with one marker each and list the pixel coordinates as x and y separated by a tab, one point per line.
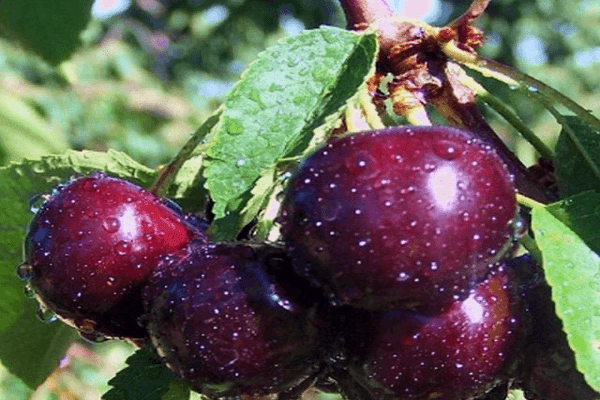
401	215
224	320
464	351
91	246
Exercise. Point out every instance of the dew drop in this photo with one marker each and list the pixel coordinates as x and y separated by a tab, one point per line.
408	190
45	315
286	175
519	227
122	248
362	165
429	167
36	202
111	225
331	211
93	337
240	162
25	271
77	236
402	276
28	292
448	150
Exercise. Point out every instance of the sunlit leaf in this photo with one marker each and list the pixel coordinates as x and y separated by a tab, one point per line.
273	110
573	271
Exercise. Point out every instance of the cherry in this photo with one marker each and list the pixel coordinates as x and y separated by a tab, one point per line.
91	246
230	321
401	215
464	351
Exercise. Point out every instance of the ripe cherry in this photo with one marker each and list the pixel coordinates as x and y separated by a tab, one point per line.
462	352
403	215
91	246
228	320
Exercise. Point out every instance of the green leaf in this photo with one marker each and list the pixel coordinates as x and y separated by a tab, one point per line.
577	157
273	110
262	190
581	213
181	174
19	183
23	133
48	28
516	394
573	271
32	349
146	378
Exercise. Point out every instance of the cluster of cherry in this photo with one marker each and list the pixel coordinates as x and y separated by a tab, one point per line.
390	279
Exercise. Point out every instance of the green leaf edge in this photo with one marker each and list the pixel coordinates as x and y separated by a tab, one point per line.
576	342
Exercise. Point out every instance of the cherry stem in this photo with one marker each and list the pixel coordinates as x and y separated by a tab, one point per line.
468	116
528	202
511	117
169	172
365	12
473	12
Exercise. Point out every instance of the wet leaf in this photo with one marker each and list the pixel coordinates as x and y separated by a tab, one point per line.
577	157
573	271
146	378
581	213
273	110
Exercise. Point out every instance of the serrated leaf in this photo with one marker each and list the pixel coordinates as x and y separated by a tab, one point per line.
181	175
19	183
48	28
573	271
577	157
263	188
146	378
23	133
272	111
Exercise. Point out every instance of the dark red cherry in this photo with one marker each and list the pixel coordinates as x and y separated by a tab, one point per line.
460	353
402	215
91	246
222	321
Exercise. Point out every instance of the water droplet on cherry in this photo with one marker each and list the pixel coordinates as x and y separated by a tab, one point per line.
111	225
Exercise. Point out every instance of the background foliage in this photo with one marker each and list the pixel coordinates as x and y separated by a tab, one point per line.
150	71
